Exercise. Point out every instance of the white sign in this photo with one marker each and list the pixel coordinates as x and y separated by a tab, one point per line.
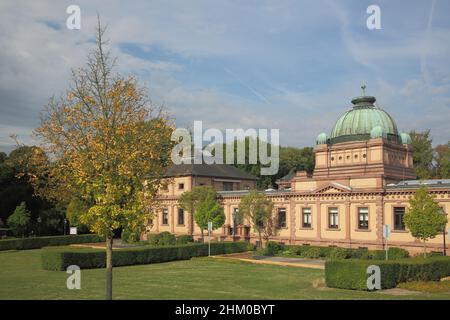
386	231
448	232
73	230
209	226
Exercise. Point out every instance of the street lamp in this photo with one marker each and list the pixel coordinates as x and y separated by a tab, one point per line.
65	223
39	220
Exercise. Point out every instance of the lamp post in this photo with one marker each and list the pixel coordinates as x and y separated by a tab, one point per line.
39	220
234	226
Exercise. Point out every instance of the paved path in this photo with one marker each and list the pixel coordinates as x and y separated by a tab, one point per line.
281	261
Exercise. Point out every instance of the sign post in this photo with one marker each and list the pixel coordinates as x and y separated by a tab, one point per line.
386	235
209	237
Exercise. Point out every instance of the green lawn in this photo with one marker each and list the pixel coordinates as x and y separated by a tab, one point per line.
21	277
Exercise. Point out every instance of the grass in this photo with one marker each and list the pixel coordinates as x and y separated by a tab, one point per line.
21	277
429	287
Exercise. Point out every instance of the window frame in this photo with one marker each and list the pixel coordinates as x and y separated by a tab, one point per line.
303	226
282	209
165	212
178	216
227	183
394	216
358	216
334	226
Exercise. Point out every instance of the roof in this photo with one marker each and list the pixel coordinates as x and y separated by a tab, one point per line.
444	183
288	177
209	170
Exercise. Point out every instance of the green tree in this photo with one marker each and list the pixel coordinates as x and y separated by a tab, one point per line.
424	218
209	210
421	144
74	211
289	158
2	157
19	220
16	172
110	147
258	210
442	161
191	200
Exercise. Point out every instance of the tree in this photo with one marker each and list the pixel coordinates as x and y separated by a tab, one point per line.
424	218
289	158
442	161
16	172
191	201
258	210
19	220
74	210
110	147
209	210
422	153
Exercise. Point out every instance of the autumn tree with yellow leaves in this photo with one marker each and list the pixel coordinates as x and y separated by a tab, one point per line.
109	146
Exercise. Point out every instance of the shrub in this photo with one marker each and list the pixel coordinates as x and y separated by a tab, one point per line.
164	238
397	253
61	258
185	239
272	248
19	221
128	236
312	253
39	242
167	239
352	274
340	253
343	253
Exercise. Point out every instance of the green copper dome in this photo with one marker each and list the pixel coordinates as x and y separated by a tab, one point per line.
322	138
363	122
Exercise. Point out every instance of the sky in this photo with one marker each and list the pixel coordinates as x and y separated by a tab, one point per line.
288	65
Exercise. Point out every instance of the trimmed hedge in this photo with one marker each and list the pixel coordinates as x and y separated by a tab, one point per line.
352	274
39	242
61	258
317	252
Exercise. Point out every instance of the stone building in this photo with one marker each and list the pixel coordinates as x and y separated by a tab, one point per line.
363	179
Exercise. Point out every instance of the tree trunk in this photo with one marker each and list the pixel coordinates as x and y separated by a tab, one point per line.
260	239
109	268
203	237
424	248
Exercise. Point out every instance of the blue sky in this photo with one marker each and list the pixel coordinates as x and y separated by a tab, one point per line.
291	65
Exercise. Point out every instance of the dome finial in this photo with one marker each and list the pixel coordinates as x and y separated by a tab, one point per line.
363	87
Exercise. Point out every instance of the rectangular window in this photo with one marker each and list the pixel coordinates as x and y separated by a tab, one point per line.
306	219
333	218
181	186
180	216
399	212
228	186
281	218
165	216
363	218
